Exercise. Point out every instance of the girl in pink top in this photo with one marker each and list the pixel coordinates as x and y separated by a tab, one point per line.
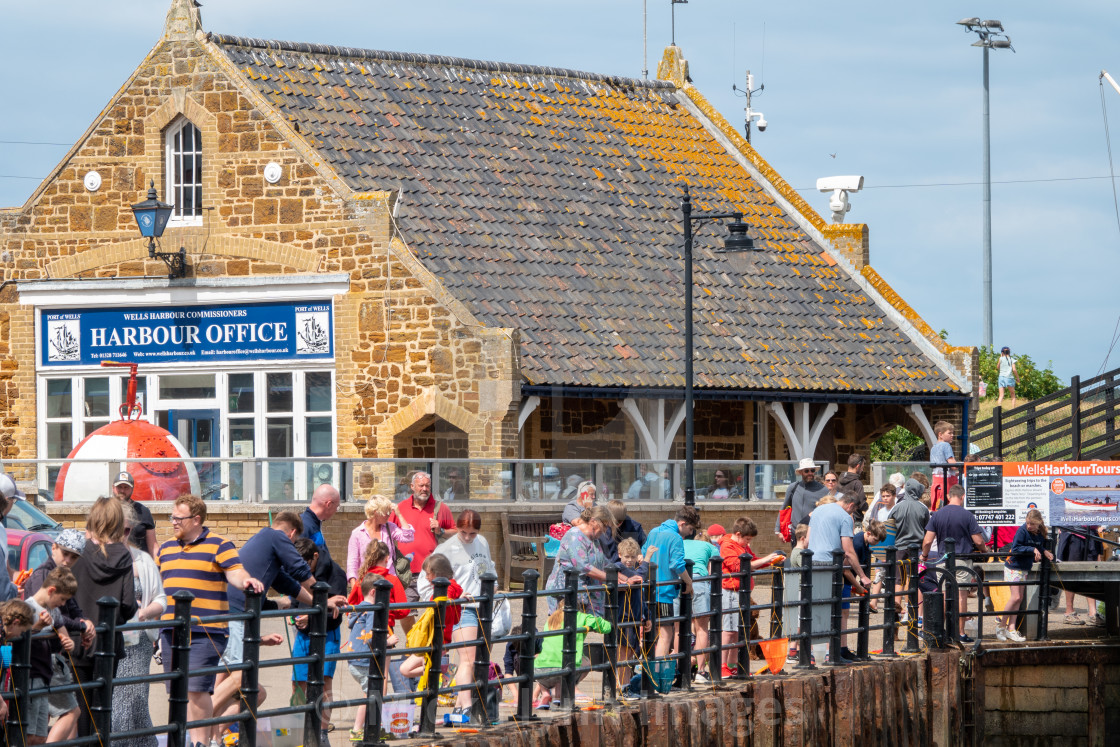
377	525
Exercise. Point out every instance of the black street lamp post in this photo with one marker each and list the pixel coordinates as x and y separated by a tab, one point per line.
151	218
737	241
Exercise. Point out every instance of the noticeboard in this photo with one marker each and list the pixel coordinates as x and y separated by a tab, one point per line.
1078	493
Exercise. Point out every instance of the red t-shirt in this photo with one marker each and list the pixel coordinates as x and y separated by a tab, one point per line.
420	519
396	594
730	550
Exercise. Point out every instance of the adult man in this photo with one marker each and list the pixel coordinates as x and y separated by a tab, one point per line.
830	530
667	539
143	534
803	495
324	505
850	484
431	522
954	521
644	486
269	556
8	589
909	518
203	564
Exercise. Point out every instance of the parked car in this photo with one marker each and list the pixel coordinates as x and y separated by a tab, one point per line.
27	517
27	550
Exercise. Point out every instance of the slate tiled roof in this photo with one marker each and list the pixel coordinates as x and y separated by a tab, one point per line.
549	201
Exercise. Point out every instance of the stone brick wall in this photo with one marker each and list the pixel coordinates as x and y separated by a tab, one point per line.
404	348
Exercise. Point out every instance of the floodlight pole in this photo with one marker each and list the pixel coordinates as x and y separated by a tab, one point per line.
987	229
991	34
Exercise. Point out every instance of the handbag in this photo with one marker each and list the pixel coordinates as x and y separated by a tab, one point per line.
503	620
785	523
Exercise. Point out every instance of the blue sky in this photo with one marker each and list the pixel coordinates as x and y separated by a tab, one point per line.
892	89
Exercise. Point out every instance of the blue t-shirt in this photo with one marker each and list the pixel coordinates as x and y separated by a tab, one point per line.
828	524
941	453
271	558
669	558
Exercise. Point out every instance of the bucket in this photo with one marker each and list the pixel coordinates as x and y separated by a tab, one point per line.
398	718
663	674
286	731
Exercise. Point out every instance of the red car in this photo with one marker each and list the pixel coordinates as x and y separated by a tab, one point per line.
27	550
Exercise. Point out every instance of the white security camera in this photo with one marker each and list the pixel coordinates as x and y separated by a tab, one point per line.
762	124
839	186
847	183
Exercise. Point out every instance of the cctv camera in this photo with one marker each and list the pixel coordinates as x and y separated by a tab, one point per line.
762	124
846	183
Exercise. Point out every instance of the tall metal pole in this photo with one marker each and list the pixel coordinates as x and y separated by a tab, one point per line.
689	483
987	213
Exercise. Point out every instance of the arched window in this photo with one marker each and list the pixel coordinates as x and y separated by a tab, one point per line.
184	171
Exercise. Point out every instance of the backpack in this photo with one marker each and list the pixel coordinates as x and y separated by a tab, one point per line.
785	523
360	636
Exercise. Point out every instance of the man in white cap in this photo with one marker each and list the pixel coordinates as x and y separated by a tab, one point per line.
143	534
803	495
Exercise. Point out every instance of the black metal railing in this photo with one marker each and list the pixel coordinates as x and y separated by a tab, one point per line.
654	683
1080	421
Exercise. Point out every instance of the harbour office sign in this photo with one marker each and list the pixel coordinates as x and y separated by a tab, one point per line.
175	334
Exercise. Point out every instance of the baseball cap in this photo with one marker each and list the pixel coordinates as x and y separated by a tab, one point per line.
1005	349
72	540
716	529
124	478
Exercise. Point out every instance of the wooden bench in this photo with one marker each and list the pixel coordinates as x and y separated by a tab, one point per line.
523	540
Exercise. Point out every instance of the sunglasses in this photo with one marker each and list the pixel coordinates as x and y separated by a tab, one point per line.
830	479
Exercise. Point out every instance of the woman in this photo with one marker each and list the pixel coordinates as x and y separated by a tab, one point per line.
103	570
130	702
1007	375
1028	547
585	499
721	485
377	525
469	553
580	551
831	479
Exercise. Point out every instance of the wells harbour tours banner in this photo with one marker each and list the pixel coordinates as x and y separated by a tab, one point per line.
170	334
1080	493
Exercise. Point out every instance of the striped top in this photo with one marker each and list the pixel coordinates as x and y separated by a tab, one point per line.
199	568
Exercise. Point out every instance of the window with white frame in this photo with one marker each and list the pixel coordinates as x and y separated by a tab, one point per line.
283	419
183	142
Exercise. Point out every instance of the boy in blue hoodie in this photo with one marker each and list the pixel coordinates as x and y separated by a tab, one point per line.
666	542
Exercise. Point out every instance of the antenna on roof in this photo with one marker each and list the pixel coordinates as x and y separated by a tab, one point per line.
645	45
673	11
750	113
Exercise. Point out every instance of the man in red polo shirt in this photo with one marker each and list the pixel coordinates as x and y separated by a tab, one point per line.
431	526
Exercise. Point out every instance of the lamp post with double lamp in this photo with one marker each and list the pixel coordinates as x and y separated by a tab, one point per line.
737	241
992	36
151	218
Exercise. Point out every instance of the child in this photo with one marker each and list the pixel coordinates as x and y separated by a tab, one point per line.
942	453
715	534
333	575
735	544
790	614
375	562
56	590
16	618
633	611
551	658
1028	546
627	527
420	635
361	630
862	542
700	550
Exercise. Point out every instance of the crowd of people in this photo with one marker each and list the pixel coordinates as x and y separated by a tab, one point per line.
412	542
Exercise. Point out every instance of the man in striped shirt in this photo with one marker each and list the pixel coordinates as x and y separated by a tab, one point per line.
201	563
